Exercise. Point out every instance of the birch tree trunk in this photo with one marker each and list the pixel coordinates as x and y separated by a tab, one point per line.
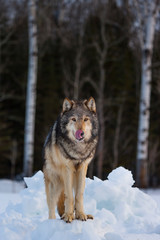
31	90
144	112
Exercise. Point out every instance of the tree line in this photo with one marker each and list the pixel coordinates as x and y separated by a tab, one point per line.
85	48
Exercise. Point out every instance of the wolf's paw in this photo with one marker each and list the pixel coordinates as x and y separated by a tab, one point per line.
89	216
82	216
68	217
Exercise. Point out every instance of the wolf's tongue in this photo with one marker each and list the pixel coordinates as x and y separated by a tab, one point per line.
79	134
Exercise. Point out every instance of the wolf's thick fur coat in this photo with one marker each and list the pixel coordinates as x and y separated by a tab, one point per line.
67	157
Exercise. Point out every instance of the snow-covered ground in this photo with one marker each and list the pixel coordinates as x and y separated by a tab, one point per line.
121	212
9	193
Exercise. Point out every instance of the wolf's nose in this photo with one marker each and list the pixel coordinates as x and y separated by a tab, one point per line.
82	134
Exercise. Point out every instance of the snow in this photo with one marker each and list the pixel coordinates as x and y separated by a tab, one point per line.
8	193
7	198
8	186
121	212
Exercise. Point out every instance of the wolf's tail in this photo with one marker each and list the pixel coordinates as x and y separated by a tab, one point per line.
60	205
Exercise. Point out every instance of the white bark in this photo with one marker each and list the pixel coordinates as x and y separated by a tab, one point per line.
146	77
31	90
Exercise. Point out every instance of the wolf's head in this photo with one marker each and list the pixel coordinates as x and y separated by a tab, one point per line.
79	120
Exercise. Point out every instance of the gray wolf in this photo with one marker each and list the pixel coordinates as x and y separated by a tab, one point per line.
69	148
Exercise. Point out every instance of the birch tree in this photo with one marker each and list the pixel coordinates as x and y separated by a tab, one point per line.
31	90
147	12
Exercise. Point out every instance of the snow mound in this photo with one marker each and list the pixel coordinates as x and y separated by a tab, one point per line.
121	176
121	212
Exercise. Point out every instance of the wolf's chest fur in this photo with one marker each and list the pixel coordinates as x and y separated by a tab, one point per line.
77	151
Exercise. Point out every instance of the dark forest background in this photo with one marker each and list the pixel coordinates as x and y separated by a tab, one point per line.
79	42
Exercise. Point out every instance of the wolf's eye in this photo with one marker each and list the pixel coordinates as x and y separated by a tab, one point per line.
74	119
86	119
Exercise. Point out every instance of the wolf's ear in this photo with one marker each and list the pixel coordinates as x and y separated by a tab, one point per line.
67	105
91	105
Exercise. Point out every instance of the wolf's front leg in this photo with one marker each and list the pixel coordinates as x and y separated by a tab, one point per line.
79	190
68	215
52	193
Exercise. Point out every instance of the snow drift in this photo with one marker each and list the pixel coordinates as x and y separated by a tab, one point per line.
121	212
